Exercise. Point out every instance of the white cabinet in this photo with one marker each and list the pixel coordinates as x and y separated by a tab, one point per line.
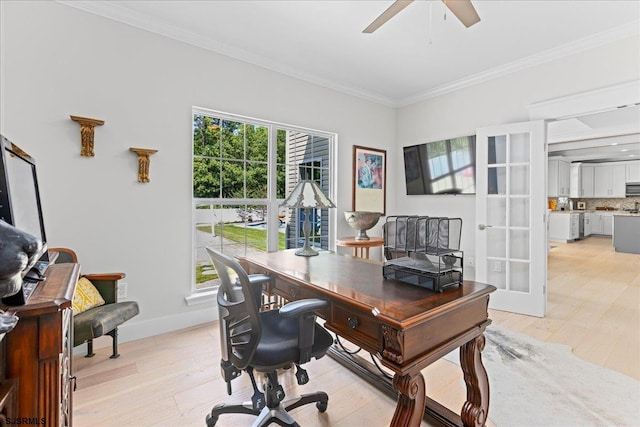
609	180
563	226
595	222
586	180
633	172
618	181
607	224
599	223
558	178
587	225
574	180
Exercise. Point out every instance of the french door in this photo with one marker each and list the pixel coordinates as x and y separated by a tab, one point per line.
511	215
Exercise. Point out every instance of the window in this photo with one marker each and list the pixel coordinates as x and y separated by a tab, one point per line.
242	170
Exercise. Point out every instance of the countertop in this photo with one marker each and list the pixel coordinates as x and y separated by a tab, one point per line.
619	213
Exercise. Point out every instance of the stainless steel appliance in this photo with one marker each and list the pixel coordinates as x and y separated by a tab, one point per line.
581	226
633	189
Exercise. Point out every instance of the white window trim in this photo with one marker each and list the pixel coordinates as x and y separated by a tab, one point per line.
209	295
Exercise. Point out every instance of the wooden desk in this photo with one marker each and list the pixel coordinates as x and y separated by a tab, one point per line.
39	349
407	326
363	245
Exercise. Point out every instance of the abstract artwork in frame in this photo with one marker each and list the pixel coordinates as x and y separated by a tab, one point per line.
369	179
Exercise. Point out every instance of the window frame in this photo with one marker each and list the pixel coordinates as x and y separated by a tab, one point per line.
272	203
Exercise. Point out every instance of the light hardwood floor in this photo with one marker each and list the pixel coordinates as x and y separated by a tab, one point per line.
174	380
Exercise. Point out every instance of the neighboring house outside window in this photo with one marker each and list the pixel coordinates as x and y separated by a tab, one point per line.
243	169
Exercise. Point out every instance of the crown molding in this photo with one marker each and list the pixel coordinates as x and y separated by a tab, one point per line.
591	42
111	10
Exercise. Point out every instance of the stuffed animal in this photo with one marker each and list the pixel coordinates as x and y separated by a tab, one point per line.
17	253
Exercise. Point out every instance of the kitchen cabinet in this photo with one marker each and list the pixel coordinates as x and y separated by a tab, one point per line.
609	180
600	223
586	180
563	226
633	171
574	180
607	224
587	225
558	178
595	222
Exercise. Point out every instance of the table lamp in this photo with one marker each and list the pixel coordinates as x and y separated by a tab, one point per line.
307	195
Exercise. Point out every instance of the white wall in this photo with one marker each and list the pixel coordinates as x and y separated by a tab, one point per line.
499	101
57	61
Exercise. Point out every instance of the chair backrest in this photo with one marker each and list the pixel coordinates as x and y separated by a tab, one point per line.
240	328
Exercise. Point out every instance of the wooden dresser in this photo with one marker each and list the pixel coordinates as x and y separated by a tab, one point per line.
38	351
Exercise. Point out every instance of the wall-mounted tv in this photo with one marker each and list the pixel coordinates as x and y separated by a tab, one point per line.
19	193
441	167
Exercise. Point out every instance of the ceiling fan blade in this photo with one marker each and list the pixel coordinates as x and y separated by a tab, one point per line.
464	11
392	11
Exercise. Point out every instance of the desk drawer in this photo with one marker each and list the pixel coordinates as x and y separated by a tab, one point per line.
291	292
358	326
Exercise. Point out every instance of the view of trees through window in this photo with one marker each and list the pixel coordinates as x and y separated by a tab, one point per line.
241	172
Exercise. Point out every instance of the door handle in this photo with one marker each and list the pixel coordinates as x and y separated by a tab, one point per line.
482	226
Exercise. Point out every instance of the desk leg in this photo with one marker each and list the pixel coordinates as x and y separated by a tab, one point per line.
476	409
411	400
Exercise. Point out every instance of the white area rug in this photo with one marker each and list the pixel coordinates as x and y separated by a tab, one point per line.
533	383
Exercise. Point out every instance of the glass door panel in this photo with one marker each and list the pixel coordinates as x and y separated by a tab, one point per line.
505	234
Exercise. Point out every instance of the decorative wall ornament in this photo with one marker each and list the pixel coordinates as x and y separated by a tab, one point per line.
369	180
87	127
143	162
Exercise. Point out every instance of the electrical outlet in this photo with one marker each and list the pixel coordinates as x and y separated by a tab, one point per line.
497	266
122	289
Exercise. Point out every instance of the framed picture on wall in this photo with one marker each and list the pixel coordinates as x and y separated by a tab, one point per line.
369	179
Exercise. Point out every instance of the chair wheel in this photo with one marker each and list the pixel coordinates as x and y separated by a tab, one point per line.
322	406
211	420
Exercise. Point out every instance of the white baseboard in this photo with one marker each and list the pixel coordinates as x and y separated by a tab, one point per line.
147	328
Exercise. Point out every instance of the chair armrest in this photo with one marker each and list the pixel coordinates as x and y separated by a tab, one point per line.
296	308
304	311
255	283
107	285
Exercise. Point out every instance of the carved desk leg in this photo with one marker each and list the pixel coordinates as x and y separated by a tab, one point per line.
411	400
476	409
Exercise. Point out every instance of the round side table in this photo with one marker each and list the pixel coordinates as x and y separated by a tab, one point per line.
360	246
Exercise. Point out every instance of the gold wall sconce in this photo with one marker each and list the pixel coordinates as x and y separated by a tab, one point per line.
87	127
143	162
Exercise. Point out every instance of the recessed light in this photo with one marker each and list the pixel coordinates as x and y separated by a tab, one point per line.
614	143
625	149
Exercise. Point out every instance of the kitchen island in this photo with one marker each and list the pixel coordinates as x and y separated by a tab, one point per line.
626	233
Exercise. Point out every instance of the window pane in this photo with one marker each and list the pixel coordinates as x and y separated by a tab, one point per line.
206	135
281	181
257	138
232	179
232	140
206	177
256	180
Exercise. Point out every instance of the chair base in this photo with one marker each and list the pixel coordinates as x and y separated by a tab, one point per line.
266	416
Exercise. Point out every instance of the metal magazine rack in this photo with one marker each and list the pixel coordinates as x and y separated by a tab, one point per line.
423	251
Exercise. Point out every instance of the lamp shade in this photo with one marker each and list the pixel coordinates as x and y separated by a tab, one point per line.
307	194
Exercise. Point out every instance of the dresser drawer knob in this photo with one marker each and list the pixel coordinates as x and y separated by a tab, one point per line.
352	322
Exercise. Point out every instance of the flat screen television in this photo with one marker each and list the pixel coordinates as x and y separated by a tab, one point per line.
19	193
441	167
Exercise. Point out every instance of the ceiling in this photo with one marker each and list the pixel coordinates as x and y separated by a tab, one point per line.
601	137
416	55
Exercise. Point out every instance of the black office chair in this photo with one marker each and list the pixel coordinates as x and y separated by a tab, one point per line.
265	341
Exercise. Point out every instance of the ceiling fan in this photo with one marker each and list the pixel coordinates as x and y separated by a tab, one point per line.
462	9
